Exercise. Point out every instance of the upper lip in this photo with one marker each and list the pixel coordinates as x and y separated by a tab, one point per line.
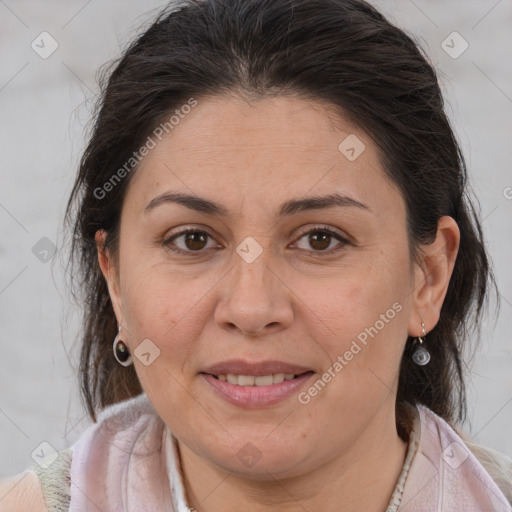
242	367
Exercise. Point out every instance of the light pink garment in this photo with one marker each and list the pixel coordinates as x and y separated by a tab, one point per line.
446	476
120	464
128	462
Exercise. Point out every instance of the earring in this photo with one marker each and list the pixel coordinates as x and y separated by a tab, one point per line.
421	356
121	352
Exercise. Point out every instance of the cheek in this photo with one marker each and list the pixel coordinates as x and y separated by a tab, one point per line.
372	292
171	309
167	307
362	319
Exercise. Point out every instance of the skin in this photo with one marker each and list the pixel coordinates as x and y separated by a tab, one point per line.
296	302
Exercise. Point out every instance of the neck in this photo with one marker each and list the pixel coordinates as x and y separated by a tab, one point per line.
363	477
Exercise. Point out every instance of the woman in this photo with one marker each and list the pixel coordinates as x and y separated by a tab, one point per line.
279	261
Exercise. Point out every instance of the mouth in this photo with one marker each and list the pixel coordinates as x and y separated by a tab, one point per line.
256	380
255	385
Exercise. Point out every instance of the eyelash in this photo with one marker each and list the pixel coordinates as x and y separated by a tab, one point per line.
319	229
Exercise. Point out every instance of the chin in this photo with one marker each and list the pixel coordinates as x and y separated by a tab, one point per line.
265	464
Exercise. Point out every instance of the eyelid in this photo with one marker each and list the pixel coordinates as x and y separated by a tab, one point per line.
324	227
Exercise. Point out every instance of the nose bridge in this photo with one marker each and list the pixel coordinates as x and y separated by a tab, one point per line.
251	273
252	298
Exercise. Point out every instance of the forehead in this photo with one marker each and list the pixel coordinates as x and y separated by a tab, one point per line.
229	148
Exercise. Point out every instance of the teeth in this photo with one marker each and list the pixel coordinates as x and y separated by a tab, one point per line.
245	380
260	380
265	380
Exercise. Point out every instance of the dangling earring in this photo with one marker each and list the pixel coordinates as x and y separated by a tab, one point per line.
421	356
121	352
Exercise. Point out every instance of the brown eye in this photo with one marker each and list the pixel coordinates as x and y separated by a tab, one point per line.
319	240
195	240
322	240
187	241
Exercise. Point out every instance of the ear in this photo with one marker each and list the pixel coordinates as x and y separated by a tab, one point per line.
432	275
110	273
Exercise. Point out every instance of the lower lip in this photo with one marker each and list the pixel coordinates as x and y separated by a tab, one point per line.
256	396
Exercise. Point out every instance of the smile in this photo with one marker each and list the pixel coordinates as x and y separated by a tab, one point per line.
255	380
249	391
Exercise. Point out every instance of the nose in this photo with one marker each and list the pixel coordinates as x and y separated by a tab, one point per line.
254	299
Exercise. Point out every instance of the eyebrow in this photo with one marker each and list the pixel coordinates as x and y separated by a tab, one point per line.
290	207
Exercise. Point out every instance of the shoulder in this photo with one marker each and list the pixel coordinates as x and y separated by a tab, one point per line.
127	429
22	493
496	463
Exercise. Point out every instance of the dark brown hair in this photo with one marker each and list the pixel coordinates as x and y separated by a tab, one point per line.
340	51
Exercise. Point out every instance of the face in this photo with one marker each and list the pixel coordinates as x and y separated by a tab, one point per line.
270	276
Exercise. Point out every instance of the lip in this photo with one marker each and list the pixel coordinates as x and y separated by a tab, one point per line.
253	397
242	367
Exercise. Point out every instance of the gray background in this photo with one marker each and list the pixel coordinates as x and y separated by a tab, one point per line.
44	107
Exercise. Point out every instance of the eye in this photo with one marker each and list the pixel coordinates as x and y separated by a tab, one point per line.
188	241
321	239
